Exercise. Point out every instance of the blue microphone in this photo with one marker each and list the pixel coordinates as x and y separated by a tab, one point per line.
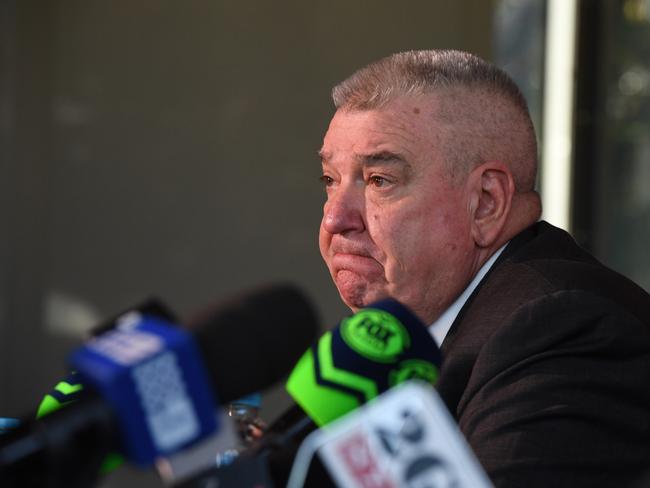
151	375
152	387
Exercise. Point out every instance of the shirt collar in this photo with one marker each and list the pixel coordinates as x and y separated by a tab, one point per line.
441	326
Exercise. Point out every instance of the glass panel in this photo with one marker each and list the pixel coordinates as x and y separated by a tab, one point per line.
615	212
519	27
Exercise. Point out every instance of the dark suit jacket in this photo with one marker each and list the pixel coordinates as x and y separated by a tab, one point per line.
547	368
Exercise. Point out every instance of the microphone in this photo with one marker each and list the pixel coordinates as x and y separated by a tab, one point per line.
255	325
406	437
368	353
375	349
252	340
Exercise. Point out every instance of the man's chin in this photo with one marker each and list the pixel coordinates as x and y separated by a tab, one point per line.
352	300
355	292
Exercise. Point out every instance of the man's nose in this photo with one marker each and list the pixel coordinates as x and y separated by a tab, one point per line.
343	211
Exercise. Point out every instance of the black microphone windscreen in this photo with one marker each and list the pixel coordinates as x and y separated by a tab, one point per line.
252	340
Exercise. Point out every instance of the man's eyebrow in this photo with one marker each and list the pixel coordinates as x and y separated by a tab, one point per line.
381	157
370	158
324	155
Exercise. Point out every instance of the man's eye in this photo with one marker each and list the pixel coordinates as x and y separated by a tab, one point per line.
378	181
326	180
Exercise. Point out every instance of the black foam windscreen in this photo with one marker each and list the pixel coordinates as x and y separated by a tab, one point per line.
252	340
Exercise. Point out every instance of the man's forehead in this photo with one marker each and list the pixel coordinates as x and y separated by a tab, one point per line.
384	132
418	105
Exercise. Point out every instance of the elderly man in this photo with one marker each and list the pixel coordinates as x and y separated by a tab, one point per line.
429	165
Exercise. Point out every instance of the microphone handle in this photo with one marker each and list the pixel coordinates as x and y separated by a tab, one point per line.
43	453
290	428
278	446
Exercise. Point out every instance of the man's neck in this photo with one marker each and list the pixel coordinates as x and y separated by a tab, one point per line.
442	325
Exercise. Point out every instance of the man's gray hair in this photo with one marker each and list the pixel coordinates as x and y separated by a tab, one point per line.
483	108
420	72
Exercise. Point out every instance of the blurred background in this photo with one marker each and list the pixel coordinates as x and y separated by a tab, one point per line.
168	148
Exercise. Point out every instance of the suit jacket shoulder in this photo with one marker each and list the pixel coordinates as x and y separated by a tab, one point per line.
550	353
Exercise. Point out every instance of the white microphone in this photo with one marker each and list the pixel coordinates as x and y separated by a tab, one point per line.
404	438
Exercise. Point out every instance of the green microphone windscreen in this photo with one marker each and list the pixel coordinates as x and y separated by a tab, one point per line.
366	354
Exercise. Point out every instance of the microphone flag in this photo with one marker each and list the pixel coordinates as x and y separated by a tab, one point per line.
405	437
151	374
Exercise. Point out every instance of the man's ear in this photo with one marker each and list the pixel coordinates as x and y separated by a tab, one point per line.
492	189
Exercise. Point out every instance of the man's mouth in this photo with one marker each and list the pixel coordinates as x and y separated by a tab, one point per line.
344	247
362	264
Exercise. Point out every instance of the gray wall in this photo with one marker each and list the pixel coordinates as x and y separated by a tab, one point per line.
168	148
